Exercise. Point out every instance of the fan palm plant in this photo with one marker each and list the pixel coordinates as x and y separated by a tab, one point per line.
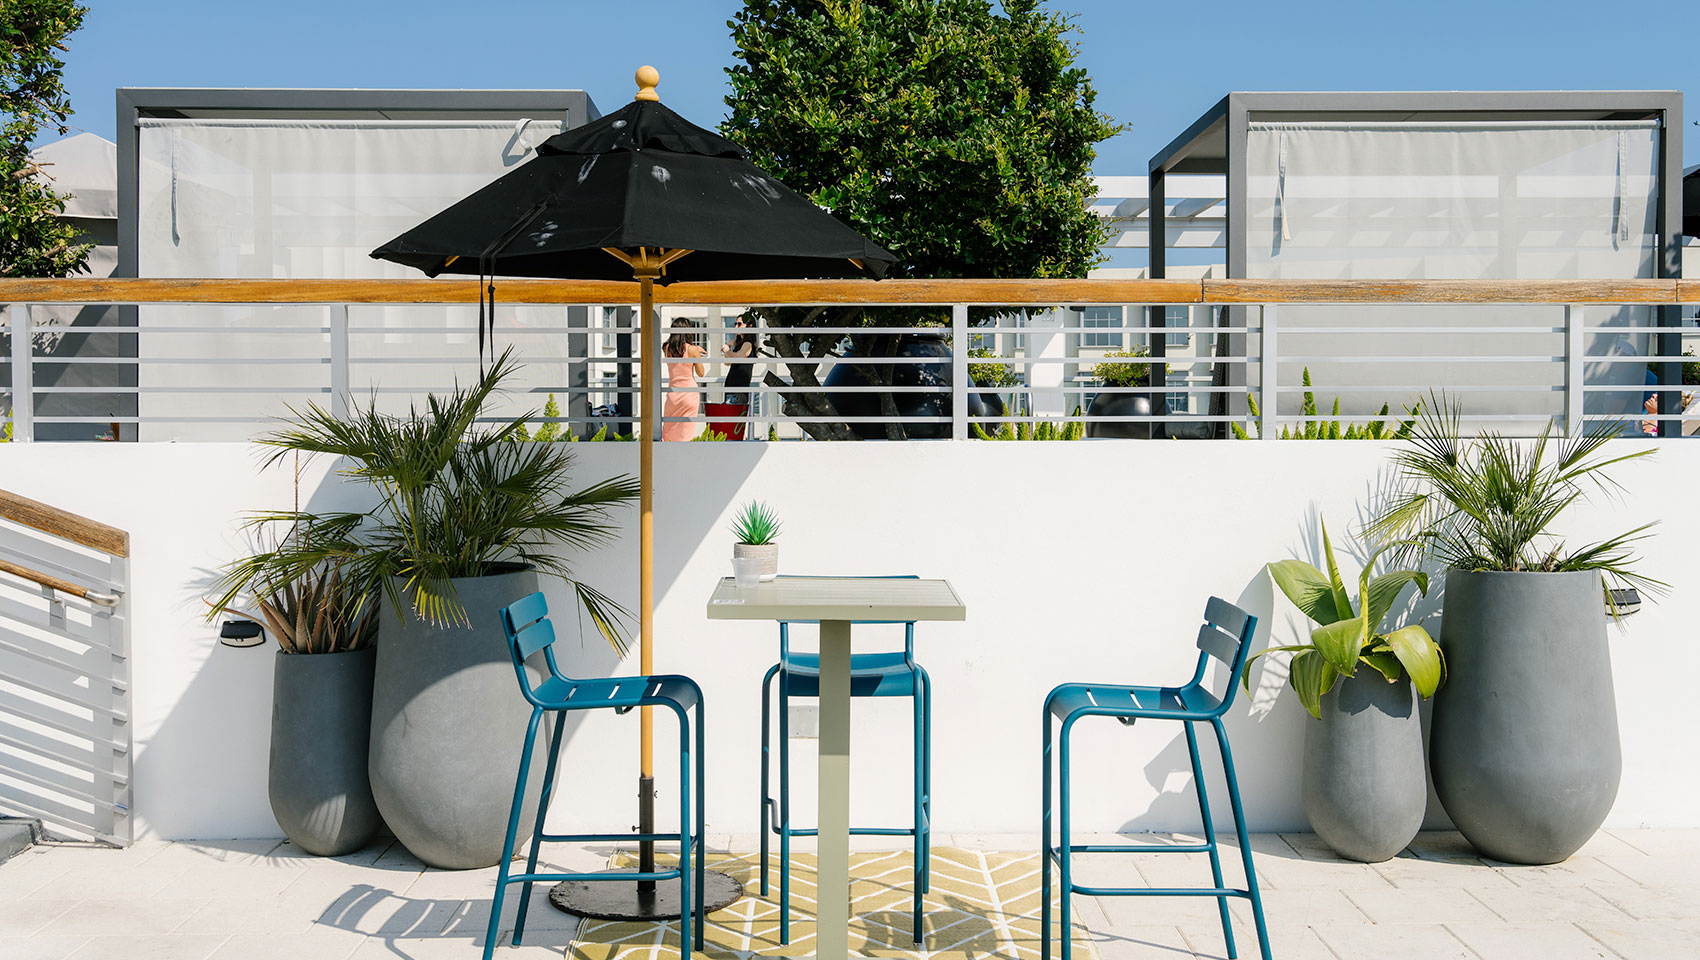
455	499
1486	503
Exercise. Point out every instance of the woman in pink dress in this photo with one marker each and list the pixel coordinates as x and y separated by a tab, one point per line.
682	398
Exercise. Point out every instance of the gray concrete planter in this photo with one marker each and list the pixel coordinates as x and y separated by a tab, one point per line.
448	723
1523	745
1364	783
321	718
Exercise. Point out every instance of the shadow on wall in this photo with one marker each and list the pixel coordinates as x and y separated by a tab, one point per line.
1169	774
1271	714
216	745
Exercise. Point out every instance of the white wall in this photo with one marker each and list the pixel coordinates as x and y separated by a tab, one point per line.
1077	561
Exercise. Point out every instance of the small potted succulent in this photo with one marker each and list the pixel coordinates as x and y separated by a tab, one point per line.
756	526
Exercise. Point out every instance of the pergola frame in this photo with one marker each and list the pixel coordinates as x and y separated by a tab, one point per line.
1215	143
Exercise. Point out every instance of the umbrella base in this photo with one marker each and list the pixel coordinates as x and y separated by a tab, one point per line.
617	900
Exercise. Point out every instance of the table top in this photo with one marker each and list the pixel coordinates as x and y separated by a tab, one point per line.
837	598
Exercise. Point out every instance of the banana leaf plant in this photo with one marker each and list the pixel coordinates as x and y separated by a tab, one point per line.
1346	637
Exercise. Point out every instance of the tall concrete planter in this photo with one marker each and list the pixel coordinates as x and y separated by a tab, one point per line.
321	720
1364	788
448	724
1523	745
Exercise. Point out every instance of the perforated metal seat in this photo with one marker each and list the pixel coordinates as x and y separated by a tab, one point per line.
1225	635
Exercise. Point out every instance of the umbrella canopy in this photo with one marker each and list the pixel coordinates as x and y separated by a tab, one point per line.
640	177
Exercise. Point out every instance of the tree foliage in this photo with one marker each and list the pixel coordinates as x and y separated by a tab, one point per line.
957	137
34	241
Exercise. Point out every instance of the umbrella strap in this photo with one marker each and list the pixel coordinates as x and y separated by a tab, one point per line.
486	310
487	280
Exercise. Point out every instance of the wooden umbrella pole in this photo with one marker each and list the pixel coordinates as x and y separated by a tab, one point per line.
647	265
649	426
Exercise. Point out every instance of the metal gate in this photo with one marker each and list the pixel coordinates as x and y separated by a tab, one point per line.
65	737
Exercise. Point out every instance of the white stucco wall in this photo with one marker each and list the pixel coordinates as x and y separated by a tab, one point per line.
1077	561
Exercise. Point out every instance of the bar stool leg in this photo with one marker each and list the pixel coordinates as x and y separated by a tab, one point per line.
495	926
702	824
926	690
685	873
1064	913
1209	836
765	822
1245	843
1045	841
537	829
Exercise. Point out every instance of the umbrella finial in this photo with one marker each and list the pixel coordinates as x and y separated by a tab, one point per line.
648	78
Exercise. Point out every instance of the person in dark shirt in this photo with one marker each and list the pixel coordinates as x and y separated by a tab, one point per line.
740	347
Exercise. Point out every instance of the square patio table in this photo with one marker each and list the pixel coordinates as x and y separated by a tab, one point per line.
837	603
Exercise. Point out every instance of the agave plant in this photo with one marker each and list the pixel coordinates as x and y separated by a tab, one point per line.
1347	637
1486	503
455	499
755	524
322	611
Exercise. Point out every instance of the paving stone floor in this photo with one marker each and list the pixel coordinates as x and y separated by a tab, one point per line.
1627	895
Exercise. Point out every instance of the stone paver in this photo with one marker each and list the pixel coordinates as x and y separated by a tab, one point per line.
1394	941
1423	905
40	948
1628	895
1649	939
1545	941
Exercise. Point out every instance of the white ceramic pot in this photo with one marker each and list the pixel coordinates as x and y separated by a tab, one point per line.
767	553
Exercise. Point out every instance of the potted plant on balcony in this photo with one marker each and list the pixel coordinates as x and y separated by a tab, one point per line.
1523	746
464	523
756	526
1118	370
1364	789
325	623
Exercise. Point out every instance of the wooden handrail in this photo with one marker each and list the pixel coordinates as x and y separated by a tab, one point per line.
779	292
63	586
64	525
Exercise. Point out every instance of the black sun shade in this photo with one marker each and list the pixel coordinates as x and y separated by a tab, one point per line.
641	176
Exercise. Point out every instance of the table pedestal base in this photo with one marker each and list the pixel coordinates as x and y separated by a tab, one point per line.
617	900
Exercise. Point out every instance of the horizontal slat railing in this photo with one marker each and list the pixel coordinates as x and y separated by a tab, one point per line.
883	292
1226	364
64	670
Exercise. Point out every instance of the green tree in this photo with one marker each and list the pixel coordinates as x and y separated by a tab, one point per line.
34	241
959	138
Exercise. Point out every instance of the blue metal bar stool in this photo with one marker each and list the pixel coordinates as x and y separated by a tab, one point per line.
1225	635
890	674
526	623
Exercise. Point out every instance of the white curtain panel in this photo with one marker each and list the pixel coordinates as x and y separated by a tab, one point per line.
1454	200
306	198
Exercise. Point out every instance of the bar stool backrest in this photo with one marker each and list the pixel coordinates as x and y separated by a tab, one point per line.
1225	635
526	623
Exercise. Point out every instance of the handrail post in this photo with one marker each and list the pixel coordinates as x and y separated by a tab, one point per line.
1574	425
959	380
339	360
23	374
1267	390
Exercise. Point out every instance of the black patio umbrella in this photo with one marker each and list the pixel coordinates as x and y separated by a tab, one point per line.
639	194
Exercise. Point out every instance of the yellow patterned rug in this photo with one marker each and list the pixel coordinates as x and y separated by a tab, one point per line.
981	905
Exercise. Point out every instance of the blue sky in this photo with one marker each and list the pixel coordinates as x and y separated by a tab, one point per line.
1157	66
